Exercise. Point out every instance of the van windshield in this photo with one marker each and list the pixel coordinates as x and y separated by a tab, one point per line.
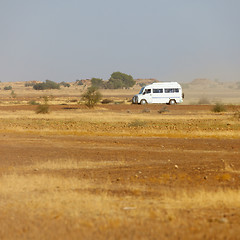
141	91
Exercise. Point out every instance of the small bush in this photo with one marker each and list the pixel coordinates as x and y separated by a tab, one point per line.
107	101
163	109
64	84
13	94
73	100
44	108
79	82
91	97
219	107
7	88
119	102
146	110
33	102
137	123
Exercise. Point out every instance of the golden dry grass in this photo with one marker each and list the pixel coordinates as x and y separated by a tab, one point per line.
51	193
58	197
108	123
47	197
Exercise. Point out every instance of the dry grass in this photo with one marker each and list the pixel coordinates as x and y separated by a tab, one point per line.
48	196
107	123
44	191
62	198
73	164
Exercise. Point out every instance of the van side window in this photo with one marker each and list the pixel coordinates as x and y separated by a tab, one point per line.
168	90
171	90
147	91
159	90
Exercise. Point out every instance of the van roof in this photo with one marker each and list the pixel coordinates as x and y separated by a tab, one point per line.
164	84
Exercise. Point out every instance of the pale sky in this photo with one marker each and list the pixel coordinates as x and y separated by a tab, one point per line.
170	40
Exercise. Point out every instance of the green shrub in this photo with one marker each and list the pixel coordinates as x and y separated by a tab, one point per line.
107	101
73	100
119	102
91	97
33	102
219	107
79	82
43	108
46	85
163	109
137	123
13	94
7	88
64	84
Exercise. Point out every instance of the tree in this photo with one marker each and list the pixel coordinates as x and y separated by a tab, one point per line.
120	80
114	84
97	82
91	97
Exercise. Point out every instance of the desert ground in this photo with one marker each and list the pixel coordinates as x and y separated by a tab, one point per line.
119	171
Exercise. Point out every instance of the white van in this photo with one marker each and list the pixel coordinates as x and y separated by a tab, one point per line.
162	92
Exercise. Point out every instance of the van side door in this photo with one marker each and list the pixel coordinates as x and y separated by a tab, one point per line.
148	95
157	95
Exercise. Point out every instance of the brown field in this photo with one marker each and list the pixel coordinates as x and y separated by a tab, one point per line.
117	171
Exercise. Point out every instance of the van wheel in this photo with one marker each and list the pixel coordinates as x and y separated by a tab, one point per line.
172	102
143	101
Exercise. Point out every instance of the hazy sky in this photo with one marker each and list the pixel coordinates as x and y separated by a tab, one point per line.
171	40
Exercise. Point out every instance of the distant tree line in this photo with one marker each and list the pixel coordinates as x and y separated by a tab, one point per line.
116	81
48	84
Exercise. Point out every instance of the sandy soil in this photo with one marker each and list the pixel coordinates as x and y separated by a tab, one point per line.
155	163
196	158
131	176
